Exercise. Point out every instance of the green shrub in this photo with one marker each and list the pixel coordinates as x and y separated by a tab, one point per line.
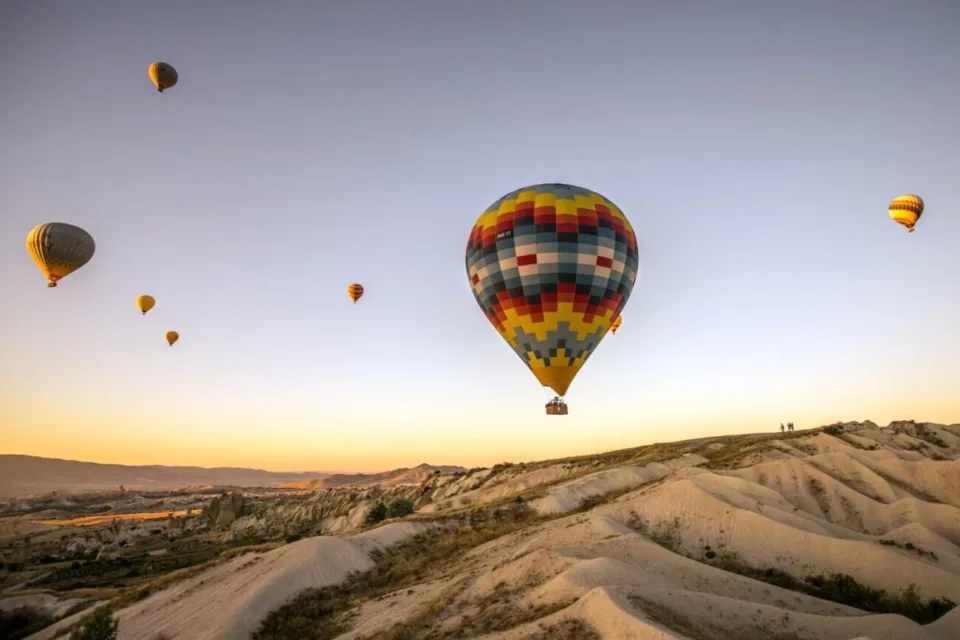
376	515
844	589
102	625
399	508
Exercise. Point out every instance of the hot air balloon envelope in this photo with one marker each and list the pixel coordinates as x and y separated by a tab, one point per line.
59	249
906	210
162	75
355	291
172	336
551	266
145	303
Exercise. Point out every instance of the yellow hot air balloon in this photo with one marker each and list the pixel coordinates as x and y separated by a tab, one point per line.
906	210
172	336
162	75
59	249
355	291
145	303
616	324
552	266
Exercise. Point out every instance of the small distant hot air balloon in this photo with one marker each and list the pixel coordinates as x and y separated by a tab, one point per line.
355	291
162	75
59	249
552	266
172	336
616	324
145	303
906	210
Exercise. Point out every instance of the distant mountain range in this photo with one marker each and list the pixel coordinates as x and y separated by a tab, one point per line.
22	476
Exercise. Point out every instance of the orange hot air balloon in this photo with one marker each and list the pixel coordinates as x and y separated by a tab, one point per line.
355	291
145	303
616	324
172	336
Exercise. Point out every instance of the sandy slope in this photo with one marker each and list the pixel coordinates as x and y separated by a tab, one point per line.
598	570
638	566
499	490
567	496
627	586
228	601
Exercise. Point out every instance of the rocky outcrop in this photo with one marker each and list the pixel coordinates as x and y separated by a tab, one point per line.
109	542
403	475
223	510
328	511
82	547
341	510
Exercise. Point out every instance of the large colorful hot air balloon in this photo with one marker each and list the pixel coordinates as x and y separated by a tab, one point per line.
162	75
906	210
59	249
551	266
145	303
616	324
172	336
355	291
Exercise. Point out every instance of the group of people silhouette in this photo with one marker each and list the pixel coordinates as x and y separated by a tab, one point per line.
789	427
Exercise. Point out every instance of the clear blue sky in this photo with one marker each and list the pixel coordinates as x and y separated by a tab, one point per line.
310	144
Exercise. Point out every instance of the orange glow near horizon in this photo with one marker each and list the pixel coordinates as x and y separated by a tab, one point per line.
370	443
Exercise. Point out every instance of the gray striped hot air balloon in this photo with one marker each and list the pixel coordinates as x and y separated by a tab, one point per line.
59	249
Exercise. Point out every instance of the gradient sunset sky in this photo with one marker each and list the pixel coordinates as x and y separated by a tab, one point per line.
310	144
